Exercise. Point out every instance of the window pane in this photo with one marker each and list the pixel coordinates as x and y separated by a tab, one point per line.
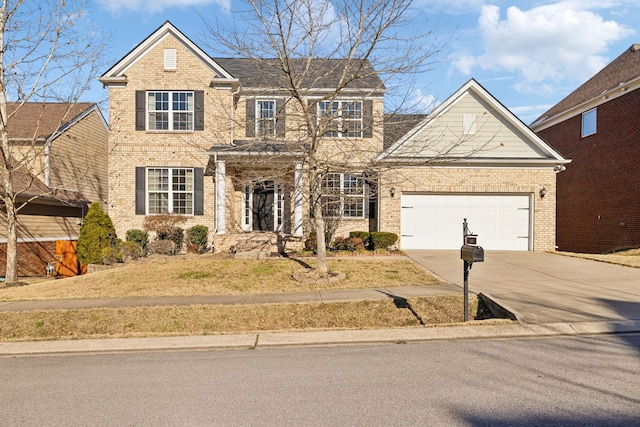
158	203
589	122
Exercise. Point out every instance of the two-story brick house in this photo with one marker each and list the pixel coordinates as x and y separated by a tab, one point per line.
227	143
597	125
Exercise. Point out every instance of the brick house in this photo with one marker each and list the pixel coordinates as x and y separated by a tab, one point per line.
62	148
598	208
223	142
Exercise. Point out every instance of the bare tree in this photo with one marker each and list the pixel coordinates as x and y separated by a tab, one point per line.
362	47
47	54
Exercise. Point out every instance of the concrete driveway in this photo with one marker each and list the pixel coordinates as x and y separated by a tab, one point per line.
544	287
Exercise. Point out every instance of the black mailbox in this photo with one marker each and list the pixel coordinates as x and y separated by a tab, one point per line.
472	253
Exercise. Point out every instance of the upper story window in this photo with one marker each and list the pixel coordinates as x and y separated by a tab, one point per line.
169	110
343	195
589	122
170	190
343	118
265	117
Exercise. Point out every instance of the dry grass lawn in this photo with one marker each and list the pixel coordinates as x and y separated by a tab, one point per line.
213	319
210	275
630	258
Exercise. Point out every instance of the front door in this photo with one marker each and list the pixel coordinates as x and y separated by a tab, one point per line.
262	209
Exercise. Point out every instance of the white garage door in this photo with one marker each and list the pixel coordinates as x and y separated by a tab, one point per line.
434	221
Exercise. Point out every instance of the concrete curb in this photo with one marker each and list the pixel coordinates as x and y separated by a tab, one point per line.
316	338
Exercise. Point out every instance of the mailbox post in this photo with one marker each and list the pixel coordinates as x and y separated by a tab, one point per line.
470	252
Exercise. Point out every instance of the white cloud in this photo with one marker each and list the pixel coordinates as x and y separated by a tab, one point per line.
155	6
545	44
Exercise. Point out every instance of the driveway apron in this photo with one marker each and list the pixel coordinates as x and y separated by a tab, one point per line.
544	287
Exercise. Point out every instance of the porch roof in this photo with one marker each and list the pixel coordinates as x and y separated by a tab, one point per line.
252	151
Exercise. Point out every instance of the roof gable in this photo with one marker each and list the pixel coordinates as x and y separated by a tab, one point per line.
495	135
616	78
117	73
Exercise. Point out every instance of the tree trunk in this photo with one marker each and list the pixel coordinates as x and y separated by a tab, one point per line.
321	245
11	274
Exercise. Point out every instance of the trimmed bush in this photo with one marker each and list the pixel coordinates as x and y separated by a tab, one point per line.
130	250
350	244
311	244
365	236
163	223
140	237
97	232
176	235
111	255
382	239
161	247
197	235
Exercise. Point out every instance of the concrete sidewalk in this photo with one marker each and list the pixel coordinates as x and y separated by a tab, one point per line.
332	295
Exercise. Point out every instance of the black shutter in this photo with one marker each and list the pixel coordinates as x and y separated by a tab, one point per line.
251	118
140	110
198	191
280	117
198	96
140	191
367	118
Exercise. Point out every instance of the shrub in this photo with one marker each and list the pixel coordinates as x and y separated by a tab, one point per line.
111	255
382	239
365	236
197	235
311	244
162	223
350	244
161	247
140	237
97	232
130	250
176	235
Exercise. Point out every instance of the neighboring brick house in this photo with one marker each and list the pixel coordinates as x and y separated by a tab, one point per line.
62	152
598	127
223	142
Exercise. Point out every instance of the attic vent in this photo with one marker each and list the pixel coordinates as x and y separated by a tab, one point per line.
468	124
169	59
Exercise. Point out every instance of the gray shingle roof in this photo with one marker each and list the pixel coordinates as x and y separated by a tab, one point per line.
321	73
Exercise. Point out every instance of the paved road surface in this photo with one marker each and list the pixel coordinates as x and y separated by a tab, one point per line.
579	381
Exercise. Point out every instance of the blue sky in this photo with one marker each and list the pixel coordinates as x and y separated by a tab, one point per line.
528	54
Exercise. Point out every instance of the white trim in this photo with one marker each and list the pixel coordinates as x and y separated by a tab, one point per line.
221	197
297	201
41	239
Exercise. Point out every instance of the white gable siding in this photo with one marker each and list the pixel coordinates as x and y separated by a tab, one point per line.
445	137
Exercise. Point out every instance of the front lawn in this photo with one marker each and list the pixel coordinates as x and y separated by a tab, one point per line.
212	275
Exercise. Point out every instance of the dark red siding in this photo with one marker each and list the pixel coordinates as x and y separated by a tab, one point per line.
598	196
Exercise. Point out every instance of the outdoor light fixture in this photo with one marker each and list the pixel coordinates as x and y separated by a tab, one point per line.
392	191
543	192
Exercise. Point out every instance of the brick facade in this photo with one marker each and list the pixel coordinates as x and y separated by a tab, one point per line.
33	258
434	180
598	207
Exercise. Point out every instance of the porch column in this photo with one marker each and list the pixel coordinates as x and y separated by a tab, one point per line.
297	201
221	197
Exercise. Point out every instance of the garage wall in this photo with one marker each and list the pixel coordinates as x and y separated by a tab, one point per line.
434	180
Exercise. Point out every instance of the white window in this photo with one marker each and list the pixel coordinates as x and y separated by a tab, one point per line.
343	119
342	195
170	190
468	124
170	110
589	122
266	117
